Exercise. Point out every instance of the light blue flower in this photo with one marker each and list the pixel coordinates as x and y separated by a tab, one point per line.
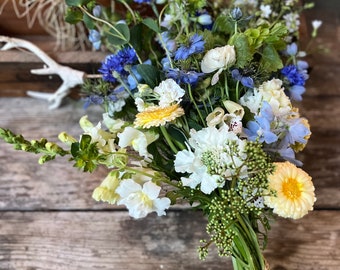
95	38
260	129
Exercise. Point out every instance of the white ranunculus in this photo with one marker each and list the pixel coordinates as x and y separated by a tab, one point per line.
169	92
218	58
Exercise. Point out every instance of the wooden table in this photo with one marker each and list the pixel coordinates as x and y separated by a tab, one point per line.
48	219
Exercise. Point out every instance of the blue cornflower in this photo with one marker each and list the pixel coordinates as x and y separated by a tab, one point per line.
94	38
245	80
293	75
196	45
115	63
188	77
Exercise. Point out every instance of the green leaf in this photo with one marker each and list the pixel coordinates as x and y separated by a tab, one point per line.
223	24
73	15
77	3
88	21
149	73
151	24
244	53
136	39
270	60
177	134
120	35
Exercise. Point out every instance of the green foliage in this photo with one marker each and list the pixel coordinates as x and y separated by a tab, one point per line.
119	35
150	74
270	60
73	15
85	154
243	50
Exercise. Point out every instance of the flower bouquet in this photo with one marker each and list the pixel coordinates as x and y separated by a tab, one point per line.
197	108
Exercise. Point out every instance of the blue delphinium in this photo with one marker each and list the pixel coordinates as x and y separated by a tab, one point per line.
196	45
260	128
115	63
93	99
142	1
95	39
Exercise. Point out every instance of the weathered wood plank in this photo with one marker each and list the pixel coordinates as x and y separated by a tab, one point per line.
111	240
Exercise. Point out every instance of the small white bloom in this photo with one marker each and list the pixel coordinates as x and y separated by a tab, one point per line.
266	11
316	24
169	92
142	199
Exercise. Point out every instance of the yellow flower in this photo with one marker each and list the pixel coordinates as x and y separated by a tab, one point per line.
155	116
294	191
106	192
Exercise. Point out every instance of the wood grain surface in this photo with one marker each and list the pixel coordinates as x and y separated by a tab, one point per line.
48	219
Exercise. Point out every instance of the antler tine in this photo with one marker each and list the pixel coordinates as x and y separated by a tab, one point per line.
71	77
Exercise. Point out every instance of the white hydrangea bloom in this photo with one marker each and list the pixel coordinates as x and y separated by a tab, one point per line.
292	22
141	200
169	92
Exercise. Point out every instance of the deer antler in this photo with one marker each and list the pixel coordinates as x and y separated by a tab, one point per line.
70	77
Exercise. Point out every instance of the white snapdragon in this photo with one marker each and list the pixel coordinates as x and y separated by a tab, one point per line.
141	199
169	92
138	140
98	135
218	59
114	125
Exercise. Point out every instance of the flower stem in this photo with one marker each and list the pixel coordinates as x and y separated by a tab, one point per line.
168	139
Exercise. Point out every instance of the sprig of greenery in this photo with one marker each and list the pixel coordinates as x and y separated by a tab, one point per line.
49	149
